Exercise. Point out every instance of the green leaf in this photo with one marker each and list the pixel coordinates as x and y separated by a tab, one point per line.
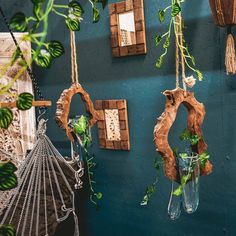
176	151
185	135
98	195
158	39
43	59
159	62
203	158
96	14
81	125
7	230
193	60
19	22
55	48
16	55
24	101
183	155
175	9
199	75
7	168
8	181
6	117
167	42
194	139
161	15
73	24
178	191
145	200
75	8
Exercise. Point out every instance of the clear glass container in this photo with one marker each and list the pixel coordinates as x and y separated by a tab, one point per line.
189	171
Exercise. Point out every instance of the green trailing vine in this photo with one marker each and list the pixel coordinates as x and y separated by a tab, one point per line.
8	180
193	139
82	129
43	51
174	9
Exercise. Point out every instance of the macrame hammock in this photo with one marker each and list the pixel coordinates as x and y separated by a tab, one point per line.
175	98
44	196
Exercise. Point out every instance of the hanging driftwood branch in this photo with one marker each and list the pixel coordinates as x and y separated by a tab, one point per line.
63	108
196	114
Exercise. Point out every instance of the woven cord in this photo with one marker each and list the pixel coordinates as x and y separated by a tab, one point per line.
74	64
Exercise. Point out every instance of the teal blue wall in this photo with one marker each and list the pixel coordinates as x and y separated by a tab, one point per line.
123	176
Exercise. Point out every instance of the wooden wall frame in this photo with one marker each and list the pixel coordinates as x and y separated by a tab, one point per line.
123	7
124	141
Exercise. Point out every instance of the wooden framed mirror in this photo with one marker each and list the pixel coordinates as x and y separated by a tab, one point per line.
127	28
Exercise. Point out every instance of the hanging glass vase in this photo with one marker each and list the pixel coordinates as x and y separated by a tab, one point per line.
189	171
174	205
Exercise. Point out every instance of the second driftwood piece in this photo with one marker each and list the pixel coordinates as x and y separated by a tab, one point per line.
196	114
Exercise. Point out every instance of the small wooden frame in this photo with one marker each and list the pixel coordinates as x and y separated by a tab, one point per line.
196	114
137	7
63	108
118	124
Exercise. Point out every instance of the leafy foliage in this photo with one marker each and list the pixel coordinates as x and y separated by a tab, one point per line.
8	179
6	117
24	101
19	22
55	48
175	9
7	230
82	129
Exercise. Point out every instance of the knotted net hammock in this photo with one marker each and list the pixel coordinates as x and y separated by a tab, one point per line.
44	196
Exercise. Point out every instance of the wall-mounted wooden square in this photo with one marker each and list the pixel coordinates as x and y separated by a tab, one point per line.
113	129
127	28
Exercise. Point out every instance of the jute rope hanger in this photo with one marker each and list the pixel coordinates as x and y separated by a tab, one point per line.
64	102
196	114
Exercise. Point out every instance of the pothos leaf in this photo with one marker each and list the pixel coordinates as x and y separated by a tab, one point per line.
167	42
73	24
43	59
7	168
24	101
19	22
55	48
8	179
158	39
159	62
7	230
175	9
161	15
75	8
96	14
6	117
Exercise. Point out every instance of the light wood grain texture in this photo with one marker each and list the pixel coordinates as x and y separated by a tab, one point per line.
34	104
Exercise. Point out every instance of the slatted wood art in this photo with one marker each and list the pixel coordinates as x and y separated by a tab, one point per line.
63	108
20	136
138	41
196	114
113	128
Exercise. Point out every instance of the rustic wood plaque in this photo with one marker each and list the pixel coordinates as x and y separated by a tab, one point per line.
20	135
127	27
113	129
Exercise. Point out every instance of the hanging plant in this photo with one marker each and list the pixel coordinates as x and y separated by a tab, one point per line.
174	9
82	130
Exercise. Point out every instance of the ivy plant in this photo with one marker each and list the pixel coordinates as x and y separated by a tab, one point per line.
8	180
193	140
43	51
82	129
174	9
